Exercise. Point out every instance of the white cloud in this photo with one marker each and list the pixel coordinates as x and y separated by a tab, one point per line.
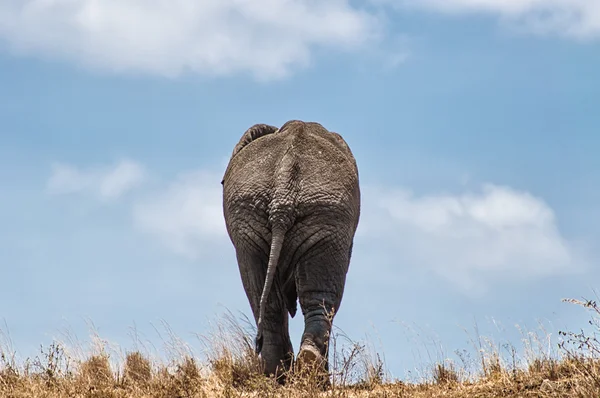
572	18
187	217
470	239
264	37
104	182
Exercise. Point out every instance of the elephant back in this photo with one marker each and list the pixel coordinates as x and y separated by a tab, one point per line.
300	169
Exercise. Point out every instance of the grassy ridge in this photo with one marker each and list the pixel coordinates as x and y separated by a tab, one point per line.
230	369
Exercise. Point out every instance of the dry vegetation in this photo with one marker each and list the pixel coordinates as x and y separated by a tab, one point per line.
230	369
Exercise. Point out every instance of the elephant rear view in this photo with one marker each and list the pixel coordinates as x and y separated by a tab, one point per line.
291	201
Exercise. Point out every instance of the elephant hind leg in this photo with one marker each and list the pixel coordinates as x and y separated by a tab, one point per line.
312	358
320	279
277	351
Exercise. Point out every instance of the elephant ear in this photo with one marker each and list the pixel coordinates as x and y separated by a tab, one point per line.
253	133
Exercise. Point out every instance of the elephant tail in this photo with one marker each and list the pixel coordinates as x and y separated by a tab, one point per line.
278	235
281	217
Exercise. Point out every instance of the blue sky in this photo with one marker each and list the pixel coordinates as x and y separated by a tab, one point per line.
474	126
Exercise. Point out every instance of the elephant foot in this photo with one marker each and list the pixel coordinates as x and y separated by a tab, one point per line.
311	363
308	357
276	360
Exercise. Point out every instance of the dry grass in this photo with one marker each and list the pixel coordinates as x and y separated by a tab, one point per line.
231	369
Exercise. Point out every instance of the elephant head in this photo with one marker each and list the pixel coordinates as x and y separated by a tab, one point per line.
291	202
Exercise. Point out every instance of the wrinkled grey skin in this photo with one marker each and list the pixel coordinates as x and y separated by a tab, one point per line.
291	201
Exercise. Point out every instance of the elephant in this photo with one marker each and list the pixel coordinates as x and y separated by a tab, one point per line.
291	202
